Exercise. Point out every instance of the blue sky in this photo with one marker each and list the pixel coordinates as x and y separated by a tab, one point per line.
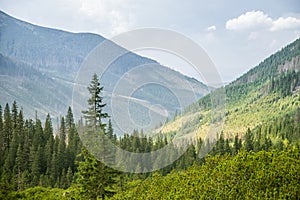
236	34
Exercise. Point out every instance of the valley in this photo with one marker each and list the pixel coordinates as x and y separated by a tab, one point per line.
61	138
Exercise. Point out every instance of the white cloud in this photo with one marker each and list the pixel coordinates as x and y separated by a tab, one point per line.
119	22
211	28
257	20
249	20
285	23
113	16
104	17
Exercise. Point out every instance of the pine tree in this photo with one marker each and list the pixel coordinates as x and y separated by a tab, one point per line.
61	151
48	130
92	178
11	157
63	180
19	167
73	140
110	131
54	171
69	118
69	177
48	150
227	148
95	178
190	156
7	128
249	140
220	146
14	112
236	145
26	146
20	128
38	137
94	116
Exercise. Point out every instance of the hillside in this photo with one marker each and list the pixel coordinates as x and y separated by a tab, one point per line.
267	92
17	83
50	60
263	175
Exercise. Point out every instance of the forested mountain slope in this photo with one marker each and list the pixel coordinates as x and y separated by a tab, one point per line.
268	92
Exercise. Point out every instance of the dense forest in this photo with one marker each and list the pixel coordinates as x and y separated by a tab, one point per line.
33	160
38	163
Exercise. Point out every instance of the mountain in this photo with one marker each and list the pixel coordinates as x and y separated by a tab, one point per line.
268	93
26	85
39	67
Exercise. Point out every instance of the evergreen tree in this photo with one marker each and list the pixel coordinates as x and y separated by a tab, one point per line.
36	165
110	132
236	145
256	146
189	156
227	148
54	170
48	154
12	152
7	128
19	167
267	144
61	151
38	137
94	116
249	140
220	145
69	118
69	177
73	141
92	178
48	130
20	128
95	178
14	112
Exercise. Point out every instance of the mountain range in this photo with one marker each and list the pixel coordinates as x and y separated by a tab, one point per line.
38	69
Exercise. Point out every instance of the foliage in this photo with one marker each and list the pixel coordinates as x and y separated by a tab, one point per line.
31	155
248	175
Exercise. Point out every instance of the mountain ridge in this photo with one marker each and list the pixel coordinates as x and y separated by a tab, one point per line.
58	55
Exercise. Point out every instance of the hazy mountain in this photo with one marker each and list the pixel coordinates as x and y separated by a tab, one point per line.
266	93
39	66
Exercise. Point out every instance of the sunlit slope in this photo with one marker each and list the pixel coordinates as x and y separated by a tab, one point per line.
268	91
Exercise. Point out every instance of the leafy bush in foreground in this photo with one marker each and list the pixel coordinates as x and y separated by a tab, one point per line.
248	175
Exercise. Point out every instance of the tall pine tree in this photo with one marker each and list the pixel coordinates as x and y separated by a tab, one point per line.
95	178
95	115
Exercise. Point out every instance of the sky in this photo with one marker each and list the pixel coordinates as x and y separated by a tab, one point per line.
235	34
